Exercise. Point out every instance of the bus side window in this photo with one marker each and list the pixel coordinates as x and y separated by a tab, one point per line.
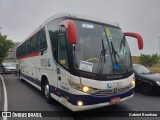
41	40
53	37
62	50
23	49
53	28
33	43
28	46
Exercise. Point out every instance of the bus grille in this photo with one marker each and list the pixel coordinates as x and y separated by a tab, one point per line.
110	92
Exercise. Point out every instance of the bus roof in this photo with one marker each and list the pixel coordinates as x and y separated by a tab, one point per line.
70	15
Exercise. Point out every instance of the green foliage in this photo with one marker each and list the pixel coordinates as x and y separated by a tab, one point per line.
149	60
5	44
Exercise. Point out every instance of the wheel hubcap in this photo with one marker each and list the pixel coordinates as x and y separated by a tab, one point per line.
146	89
46	90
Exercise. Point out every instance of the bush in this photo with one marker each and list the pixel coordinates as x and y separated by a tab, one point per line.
149	60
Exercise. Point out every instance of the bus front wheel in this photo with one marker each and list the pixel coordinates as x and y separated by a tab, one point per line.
46	91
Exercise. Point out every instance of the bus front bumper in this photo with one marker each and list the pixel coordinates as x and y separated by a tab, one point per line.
92	102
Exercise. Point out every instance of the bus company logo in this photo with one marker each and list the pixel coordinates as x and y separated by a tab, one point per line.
115	90
109	85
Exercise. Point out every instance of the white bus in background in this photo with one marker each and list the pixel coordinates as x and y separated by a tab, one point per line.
82	62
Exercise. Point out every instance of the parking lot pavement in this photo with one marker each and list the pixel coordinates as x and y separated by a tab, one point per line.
31	99
1	96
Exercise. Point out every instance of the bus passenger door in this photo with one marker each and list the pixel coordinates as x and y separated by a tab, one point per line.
62	70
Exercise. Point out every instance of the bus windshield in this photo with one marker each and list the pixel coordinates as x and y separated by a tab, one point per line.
101	49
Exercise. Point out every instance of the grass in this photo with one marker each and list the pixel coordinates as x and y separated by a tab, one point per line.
135	60
155	69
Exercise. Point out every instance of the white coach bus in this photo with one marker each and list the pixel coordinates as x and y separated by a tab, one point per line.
82	62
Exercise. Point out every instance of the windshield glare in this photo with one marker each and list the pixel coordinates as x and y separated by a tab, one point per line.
93	39
7	65
141	69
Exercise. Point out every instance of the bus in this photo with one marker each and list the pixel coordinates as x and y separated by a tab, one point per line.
82	62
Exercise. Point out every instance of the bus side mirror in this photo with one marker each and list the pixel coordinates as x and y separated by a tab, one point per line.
71	30
137	36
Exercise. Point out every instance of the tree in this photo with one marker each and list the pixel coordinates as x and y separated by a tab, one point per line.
5	45
149	60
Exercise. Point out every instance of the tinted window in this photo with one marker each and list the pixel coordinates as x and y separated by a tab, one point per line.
33	43
23	49
17	53
53	28
41	40
27	46
62	51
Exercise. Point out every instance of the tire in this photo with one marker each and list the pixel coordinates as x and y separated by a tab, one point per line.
146	89
46	91
19	75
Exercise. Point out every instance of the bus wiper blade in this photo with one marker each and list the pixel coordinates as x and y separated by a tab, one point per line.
116	53
103	51
113	51
102	60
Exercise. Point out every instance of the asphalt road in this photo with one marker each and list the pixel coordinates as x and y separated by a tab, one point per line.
23	97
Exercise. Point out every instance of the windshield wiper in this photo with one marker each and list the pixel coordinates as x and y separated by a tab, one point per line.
116	53
102	60
103	51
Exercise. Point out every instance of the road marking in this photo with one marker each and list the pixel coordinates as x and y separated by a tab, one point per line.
5	97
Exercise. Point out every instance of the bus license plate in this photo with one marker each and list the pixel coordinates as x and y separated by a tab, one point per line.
115	100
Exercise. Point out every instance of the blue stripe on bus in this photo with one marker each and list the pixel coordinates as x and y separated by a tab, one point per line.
87	99
31	79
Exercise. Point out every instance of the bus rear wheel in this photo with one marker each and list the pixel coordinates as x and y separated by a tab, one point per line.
20	77
46	92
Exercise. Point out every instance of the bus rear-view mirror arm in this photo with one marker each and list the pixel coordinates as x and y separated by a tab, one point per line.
137	36
70	30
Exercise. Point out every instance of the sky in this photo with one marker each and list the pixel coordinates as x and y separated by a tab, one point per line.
19	18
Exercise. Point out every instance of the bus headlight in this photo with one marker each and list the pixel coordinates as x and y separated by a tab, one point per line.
81	87
86	89
80	103
133	83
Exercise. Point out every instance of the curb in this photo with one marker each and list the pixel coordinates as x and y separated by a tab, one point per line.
1	96
5	97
